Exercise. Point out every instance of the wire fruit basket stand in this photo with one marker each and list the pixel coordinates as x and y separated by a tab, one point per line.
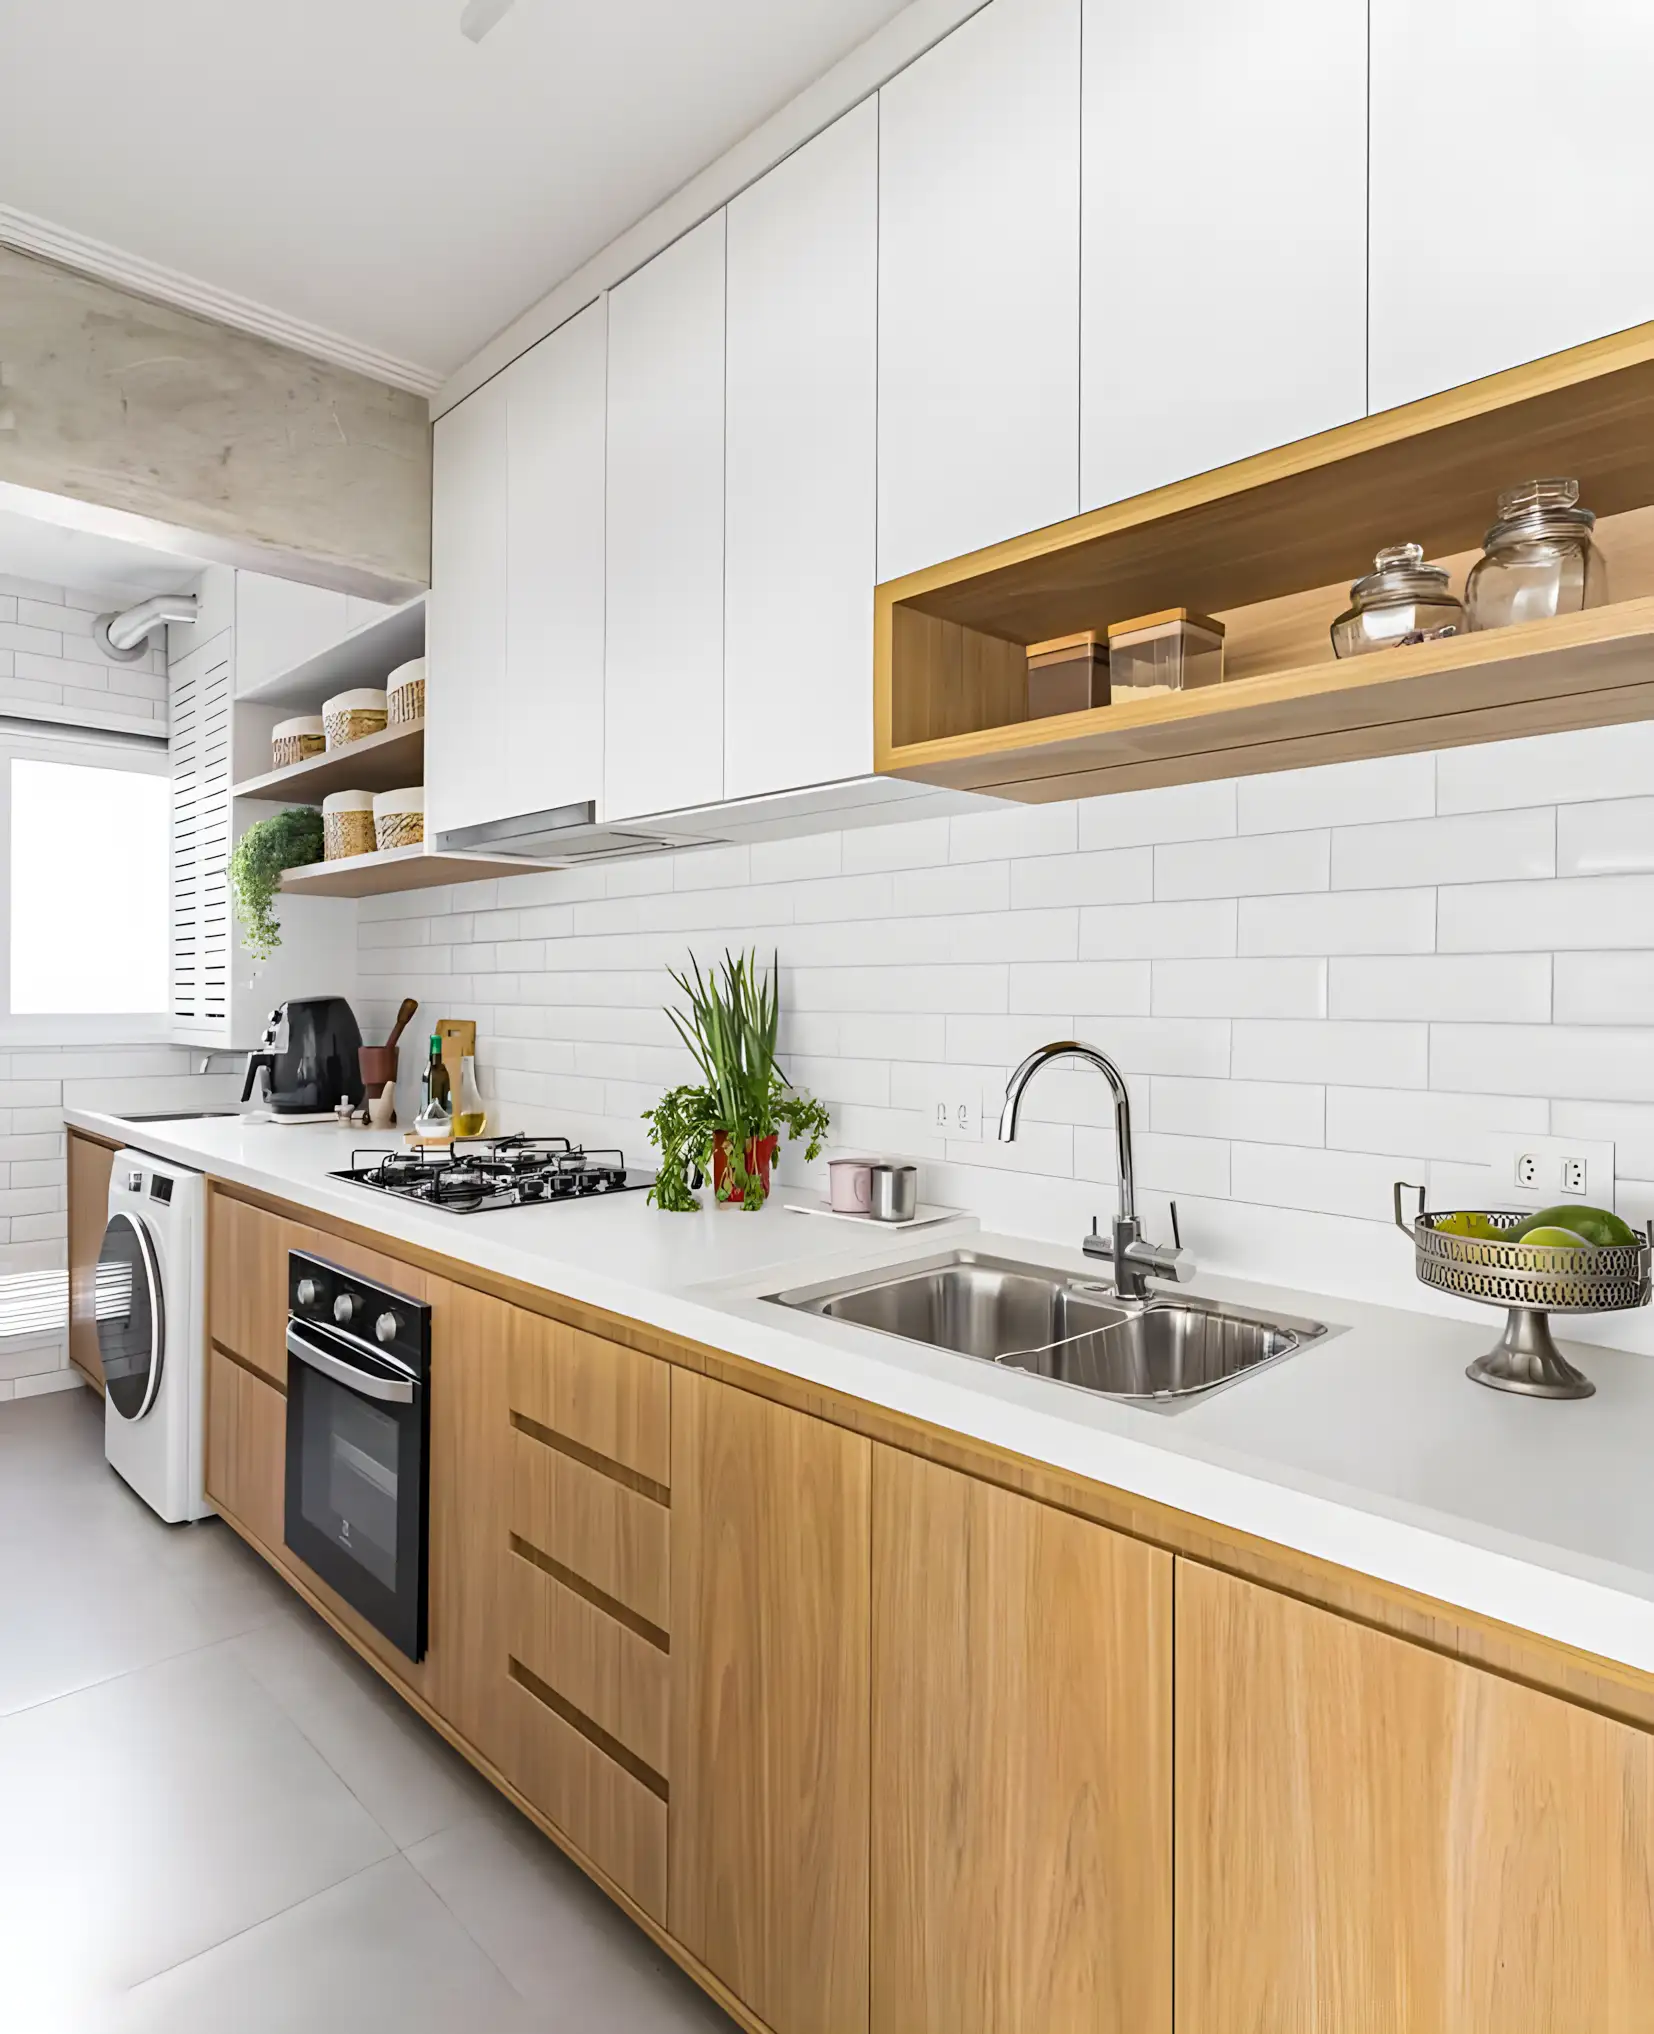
1531	1281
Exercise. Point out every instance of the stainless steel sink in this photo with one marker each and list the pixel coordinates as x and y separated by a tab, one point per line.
1070	1330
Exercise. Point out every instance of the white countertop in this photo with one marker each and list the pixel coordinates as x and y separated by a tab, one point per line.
1371	1449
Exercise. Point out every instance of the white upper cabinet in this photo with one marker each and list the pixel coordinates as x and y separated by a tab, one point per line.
664	685
1512	181
1225	272
801	448
979	285
551	752
469	707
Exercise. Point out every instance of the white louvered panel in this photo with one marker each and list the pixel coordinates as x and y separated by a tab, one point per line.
199	704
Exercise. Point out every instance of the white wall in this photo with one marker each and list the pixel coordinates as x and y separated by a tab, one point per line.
1317	983
48	658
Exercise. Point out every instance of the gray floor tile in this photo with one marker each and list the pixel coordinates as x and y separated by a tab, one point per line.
409	1780
379	1954
569	1950
154	1815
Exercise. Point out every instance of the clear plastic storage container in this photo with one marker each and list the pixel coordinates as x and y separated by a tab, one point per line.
1068	674
1172	651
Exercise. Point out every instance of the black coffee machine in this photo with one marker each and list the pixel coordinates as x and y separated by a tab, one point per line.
310	1051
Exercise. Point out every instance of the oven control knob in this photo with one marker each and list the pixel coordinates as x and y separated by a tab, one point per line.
344	1309
306	1294
385	1328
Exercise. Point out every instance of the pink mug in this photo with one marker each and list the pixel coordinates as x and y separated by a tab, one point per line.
849	1185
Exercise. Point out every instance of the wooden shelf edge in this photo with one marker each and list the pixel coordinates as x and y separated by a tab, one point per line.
1533	670
376	763
410	868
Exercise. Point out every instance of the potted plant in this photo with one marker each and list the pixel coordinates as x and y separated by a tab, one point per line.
728	1126
286	840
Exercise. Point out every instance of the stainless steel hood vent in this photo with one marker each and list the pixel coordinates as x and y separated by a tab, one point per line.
567	833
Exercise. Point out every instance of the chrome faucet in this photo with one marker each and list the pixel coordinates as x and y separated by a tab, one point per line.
1135	1260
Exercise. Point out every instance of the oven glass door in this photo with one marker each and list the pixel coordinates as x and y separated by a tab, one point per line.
356	1435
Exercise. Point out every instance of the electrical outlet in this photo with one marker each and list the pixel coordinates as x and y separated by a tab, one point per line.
1525	1171
955	1112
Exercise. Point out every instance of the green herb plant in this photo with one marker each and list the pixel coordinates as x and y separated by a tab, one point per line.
730	1029
286	840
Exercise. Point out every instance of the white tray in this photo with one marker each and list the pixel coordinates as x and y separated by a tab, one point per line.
923	1216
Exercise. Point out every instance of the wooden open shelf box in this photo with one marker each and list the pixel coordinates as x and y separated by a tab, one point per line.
1270	546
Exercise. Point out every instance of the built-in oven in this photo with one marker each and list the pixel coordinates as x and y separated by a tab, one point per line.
358	1432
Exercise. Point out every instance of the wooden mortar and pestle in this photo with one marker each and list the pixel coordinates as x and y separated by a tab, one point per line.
378	1062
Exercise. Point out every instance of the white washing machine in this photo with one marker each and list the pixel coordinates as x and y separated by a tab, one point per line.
151	1315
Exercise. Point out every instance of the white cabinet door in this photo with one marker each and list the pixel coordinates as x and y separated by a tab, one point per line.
801	448
279	623
554	603
979	285
1511	208
663	743
468	705
1225	261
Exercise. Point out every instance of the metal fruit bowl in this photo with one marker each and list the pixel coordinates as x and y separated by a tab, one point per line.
1531	1280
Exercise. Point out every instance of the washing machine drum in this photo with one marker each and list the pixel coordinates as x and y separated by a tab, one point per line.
131	1316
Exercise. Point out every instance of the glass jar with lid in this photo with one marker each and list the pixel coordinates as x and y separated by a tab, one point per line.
1538	559
1402	600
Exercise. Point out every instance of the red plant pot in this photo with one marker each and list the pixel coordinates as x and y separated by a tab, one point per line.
760	1157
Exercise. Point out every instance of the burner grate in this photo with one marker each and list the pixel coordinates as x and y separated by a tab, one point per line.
498	1172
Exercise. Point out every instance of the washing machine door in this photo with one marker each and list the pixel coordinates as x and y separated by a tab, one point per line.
131	1315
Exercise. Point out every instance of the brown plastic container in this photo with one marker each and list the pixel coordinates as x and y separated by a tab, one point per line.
1068	674
1172	651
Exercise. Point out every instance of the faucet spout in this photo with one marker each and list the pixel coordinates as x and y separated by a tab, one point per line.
1072	1048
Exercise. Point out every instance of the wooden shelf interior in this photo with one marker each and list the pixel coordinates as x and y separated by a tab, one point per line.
1270	546
409	868
383	762
367	656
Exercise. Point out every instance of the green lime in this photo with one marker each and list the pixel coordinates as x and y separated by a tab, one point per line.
1596	1225
1553	1238
1470	1222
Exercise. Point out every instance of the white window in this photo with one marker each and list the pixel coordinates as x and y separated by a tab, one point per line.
83	901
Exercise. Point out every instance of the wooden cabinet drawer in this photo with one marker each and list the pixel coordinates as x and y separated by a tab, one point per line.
615	1402
613	1675
247	1448
613	1537
247	1282
615	1818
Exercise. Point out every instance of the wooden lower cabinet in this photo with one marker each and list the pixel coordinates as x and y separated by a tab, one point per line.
770	1710
1374	1839
246	1448
89	1165
1022	1765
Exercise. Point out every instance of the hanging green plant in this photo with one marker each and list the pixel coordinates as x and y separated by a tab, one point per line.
286	840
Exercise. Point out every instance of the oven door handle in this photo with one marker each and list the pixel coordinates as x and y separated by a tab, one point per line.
367	1383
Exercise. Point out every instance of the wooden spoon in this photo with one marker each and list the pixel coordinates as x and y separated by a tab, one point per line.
403	1017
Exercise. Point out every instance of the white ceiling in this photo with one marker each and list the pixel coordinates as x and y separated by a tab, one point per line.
362	167
54	556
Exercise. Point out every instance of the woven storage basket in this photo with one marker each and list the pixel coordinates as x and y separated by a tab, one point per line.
347	825
296	741
405	693
399	818
351	716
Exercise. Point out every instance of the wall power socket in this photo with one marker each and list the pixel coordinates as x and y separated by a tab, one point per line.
1529	1171
954	1111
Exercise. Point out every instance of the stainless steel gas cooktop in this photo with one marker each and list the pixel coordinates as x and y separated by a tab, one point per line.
474	1174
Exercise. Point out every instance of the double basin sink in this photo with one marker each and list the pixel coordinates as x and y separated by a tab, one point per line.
1024	1317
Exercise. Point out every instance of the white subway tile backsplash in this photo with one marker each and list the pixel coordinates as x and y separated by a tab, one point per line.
980	886
1465	988
1239	988
844	897
717	868
1339	794
1261	1112
1094	988
1143	818
910	844
1170	1165
1323	1182
1012	830
1258	865
1592	762
1110	876
1492	847
1576	914
1628	1126
1436	1126
1158	931
1356	1054
1604	988
1615	838
814	855
1562	1061
1339	921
